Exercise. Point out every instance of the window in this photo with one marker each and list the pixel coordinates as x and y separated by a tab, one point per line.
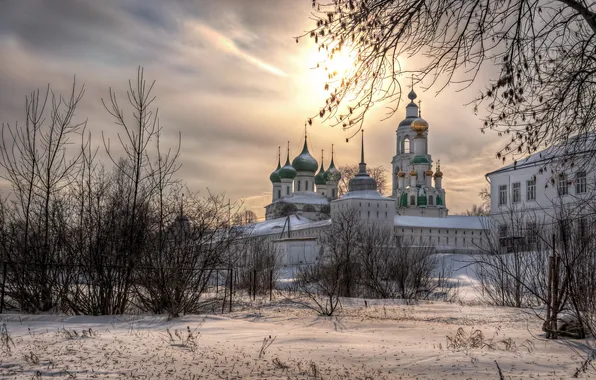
502	195
431	201
377	215
582	228
385	214
368	215
412	200
531	190
287	190
562	188
580	182
333	193
306	186
515	192
298	186
279	193
406	145
503	231
531	238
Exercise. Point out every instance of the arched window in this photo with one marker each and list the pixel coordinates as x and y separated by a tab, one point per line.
407	145
431	200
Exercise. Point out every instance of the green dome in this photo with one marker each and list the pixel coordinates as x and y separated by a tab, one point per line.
305	162
287	172
419	160
274	177
332	174
320	177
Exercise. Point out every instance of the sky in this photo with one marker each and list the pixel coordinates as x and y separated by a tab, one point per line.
230	79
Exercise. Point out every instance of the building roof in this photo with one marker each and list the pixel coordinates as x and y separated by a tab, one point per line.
364	194
304	197
276	226
575	146
456	221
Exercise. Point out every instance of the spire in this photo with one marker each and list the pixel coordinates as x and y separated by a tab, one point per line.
288	156
278	157
412	108
362	148
331	165
420	108
322	158
412	95
362	165
305	149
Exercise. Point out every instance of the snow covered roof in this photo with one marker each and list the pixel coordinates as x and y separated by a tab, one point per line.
273	226
304	197
364	194
575	146
463	222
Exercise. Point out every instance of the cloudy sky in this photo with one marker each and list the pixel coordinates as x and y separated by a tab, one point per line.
229	77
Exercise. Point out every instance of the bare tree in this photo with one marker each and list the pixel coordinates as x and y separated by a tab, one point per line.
544	258
379	173
543	93
477	210
136	174
34	160
245	217
391	270
340	243
177	267
258	265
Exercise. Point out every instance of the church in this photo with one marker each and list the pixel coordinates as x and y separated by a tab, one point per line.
305	199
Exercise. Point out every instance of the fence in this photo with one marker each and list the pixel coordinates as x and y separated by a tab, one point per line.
112	289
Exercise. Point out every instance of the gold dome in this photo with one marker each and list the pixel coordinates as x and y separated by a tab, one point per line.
419	125
428	172
401	173
413	172
438	173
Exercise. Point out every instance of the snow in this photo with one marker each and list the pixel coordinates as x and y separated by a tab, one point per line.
575	146
386	340
273	226
461	222
364	194
304	197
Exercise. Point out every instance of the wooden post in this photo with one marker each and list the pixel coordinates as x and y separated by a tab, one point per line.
231	287
270	285
549	296
254	284
4	269
216	282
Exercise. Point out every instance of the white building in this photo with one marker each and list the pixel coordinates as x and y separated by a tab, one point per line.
296	188
530	194
304	204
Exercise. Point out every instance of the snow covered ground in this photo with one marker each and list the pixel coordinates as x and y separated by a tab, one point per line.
386	340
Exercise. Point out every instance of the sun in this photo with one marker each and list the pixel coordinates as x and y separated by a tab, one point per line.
339	65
